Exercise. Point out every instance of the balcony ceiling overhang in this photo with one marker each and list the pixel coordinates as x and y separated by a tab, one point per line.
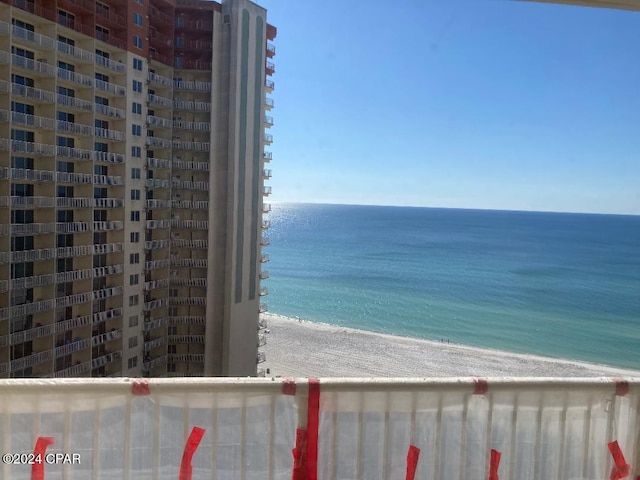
616	4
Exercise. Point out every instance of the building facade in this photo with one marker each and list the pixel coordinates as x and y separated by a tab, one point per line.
132	187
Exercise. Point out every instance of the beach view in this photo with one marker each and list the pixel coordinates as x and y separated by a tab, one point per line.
474	139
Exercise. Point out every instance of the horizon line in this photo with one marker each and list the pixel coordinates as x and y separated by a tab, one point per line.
454	208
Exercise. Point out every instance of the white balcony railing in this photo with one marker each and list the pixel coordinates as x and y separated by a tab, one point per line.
374	429
512	429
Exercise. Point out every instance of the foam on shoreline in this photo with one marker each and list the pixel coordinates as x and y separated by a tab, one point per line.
302	348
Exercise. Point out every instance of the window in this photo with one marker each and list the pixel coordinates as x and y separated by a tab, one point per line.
135	173
69	92
65	18
22	108
132	362
102	33
136	152
66	142
134	237
64	192
101	124
135	215
101	147
137	19
137	86
136	108
20	80
141	2
102	101
102	77
22	162
137	64
172	348
134	258
21	52
173	292
19	244
134	300
137	41
134	279
66	66
22	190
133	321
135	194
66	117
172	330
136	130
99	192
22	135
65	167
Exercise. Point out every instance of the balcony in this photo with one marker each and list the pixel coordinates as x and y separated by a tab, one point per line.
188	282
187	320
157	183
188	301
111	88
338	428
195	146
31	360
76	52
105	337
73	102
158	162
266	191
189	262
268	103
158	142
30	37
266	208
117	67
108	111
268	138
35	66
267	156
31	93
192	106
158	342
192	126
153	244
76	78
264	241
160	80
269	85
106	359
74	128
264	258
182	165
159	101
159	122
71	347
156	362
191	204
107	134
264	274
268	121
179	243
185	339
270	68
157	323
190	224
271	50
192	85
186	358
266	173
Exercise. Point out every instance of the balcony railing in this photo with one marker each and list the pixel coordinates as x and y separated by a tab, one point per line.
160	101
110	88
511	429
157	183
82	80
160	80
117	67
192	85
73	102
45	42
76	52
159	122
191	105
36	66
108	111
28	92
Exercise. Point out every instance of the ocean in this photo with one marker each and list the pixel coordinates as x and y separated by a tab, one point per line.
555	284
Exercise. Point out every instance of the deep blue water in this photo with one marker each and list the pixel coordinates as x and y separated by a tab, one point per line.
557	284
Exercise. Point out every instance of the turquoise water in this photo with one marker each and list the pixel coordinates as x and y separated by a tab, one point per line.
556	284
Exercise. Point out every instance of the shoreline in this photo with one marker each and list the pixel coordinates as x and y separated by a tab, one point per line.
303	348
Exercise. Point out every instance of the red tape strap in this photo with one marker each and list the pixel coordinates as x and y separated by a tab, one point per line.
622	387
412	462
289	386
299	455
186	470
140	386
313	426
622	469
39	451
494	465
481	386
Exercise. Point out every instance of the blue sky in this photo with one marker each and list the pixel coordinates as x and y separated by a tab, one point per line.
459	103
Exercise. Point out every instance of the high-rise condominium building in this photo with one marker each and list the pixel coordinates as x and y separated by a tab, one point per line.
132	171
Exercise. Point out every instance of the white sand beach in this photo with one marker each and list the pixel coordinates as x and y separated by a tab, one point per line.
307	349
